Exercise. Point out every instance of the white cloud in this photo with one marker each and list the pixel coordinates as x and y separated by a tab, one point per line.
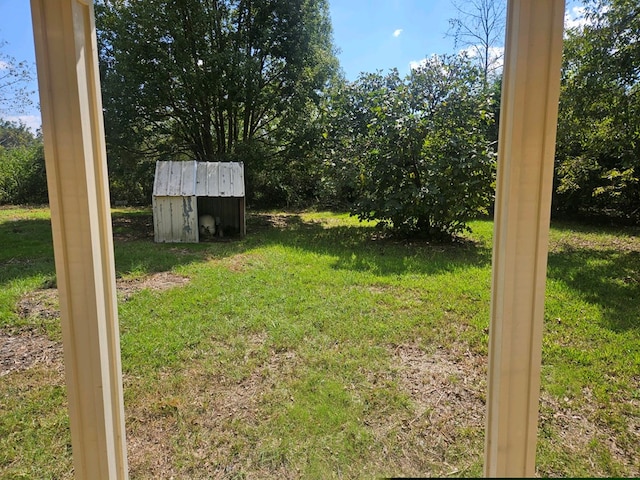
430	60
416	64
33	122
4	65
396	33
575	18
496	58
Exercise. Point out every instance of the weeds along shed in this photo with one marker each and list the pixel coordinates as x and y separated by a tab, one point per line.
198	199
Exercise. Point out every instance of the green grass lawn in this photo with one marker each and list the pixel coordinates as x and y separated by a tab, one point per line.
315	347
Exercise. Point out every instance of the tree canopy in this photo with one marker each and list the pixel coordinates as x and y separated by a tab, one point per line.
211	80
14	78
598	151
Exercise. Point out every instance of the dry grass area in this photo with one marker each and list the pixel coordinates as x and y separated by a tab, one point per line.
210	415
214	415
577	427
25	347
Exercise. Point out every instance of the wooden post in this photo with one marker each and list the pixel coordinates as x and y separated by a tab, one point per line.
529	111
75	156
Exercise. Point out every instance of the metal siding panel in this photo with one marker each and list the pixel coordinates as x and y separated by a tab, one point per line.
161	179
184	174
177	221
158	233
188	187
212	180
162	219
171	224
189	224
224	180
156	225
167	186
239	180
166	179
167	224
201	179
175	179
230	168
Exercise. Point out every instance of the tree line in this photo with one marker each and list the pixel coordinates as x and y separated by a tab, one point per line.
258	81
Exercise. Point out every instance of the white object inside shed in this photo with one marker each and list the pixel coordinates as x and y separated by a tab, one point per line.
194	201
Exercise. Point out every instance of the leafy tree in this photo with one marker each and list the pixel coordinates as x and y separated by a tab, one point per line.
22	171
598	152
14	78
479	28
15	134
344	120
210	79
416	149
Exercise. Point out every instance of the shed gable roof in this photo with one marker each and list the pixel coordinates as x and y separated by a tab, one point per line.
202	179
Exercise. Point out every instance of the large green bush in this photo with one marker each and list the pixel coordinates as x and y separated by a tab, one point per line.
22	176
22	173
416	150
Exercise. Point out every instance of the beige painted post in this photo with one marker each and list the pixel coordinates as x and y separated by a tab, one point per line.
75	156
529	111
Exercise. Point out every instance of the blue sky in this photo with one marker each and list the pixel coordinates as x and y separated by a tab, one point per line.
383	34
363	33
370	35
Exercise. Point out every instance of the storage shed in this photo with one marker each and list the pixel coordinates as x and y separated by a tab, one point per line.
190	195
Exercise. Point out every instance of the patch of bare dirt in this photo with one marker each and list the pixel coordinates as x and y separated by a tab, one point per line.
149	446
158	282
127	228
42	304
448	390
206	420
240	262
447	387
577	427
447	393
379	289
443	434
279	221
25	348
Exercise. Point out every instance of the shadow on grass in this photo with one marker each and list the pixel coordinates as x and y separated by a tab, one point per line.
27	249
607	277
593	228
362	248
